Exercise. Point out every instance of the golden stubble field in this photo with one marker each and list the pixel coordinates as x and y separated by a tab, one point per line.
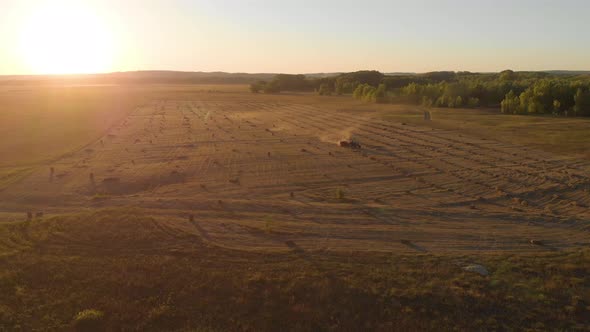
254	172
209	208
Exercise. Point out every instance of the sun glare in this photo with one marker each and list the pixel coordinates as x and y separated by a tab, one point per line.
66	39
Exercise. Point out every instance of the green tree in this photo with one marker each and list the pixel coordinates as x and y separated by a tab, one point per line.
473	102
369	93
582	102
286	82
380	93
358	92
426	102
556	106
339	87
507	75
451	102
256	87
371	77
324	90
272	87
511	103
441	101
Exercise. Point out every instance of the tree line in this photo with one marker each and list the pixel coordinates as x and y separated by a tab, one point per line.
511	92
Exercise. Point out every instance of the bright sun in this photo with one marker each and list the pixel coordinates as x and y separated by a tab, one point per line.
65	39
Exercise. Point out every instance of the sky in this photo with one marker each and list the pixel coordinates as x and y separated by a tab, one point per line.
304	36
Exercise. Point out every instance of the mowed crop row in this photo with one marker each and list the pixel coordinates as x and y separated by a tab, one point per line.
266	175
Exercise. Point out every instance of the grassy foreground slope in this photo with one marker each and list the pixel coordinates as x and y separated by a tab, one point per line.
151	277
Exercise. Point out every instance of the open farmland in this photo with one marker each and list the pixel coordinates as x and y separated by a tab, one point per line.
239	179
245	167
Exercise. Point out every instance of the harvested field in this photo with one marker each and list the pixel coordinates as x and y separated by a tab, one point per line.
282	162
260	184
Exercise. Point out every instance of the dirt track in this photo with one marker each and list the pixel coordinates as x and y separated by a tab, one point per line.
270	176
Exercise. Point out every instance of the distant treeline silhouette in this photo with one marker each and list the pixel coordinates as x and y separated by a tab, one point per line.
564	94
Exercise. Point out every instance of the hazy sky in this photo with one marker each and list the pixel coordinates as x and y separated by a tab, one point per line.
301	36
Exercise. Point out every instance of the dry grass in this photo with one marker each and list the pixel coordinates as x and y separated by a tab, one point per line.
190	286
566	136
38	123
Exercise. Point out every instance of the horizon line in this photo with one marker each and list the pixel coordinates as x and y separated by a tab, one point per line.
277	73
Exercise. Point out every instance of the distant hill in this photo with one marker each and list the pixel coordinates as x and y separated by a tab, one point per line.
568	72
184	77
158	77
140	77
322	75
400	74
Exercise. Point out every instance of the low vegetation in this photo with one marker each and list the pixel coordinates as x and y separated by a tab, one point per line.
73	285
89	320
